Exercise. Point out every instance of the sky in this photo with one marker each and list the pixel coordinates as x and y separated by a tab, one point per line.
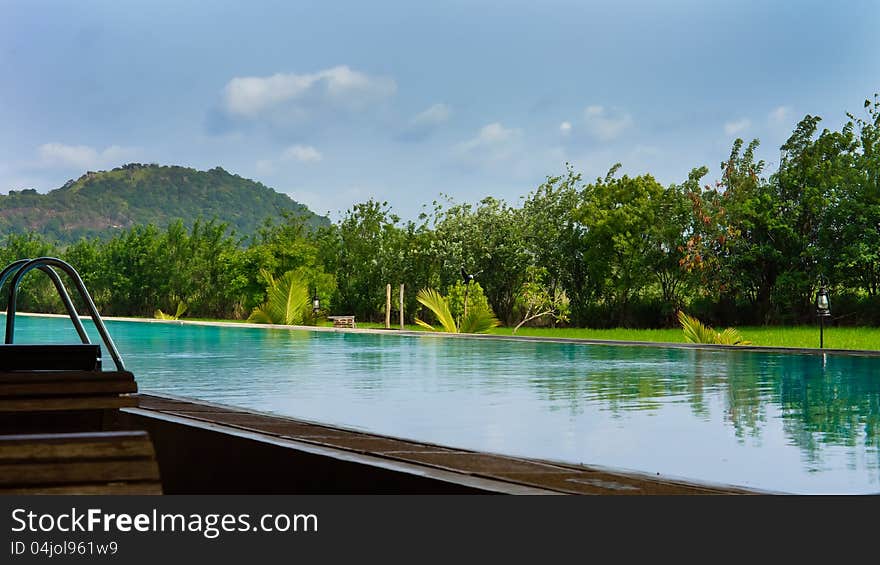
334	103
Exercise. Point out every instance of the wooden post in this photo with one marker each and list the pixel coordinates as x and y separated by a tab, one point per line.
388	306
401	305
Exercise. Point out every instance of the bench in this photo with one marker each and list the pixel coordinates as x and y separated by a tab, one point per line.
342	321
79	463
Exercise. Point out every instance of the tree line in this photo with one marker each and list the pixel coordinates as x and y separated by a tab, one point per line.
747	248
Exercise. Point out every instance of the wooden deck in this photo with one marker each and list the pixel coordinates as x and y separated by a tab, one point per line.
496	473
78	463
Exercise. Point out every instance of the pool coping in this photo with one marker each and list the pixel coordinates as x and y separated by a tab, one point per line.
528	339
492	472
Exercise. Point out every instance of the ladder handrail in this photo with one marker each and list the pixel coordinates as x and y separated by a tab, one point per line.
62	292
50	262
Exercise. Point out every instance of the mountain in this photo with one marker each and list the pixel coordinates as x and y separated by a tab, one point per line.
102	203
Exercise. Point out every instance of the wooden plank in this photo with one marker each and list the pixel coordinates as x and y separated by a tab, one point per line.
342	321
61	388
32	357
76	471
79	463
64	376
37	447
145	487
67	404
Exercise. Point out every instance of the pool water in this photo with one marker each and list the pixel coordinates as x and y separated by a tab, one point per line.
772	421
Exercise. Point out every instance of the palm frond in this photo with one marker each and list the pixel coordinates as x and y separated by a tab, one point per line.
287	301
731	336
477	321
268	277
435	302
694	330
181	308
697	332
260	316
425	325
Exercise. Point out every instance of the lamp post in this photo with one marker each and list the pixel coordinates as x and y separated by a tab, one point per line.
316	303
467	278
823	310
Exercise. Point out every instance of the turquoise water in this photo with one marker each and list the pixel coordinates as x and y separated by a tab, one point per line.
779	422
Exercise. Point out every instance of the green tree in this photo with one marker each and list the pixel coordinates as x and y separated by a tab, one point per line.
367	243
620	218
555	239
488	239
538	299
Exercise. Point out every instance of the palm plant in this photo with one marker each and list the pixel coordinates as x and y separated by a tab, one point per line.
181	308
697	332
287	301
477	320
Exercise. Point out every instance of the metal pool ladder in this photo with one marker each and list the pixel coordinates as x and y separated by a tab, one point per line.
18	269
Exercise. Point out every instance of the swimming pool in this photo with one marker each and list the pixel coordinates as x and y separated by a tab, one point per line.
773	421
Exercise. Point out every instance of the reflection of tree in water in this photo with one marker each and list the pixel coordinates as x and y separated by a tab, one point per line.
746	395
832	404
614	377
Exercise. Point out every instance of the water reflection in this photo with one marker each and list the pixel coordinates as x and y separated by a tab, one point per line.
787	422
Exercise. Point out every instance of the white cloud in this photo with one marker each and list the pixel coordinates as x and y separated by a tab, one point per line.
433	116
779	115
565	128
606	124
492	135
339	86
302	153
737	126
82	156
494	143
423	124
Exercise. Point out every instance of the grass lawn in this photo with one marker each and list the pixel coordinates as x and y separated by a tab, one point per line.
776	336
779	336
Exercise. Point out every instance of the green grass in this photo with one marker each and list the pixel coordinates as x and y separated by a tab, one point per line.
775	336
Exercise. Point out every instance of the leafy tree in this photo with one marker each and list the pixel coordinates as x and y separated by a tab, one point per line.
476	299
488	239
36	293
538	300
619	217
367	242
851	234
555	238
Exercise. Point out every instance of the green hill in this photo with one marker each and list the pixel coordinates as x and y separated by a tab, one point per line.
102	203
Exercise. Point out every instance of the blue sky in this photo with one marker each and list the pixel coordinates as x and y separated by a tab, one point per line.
337	102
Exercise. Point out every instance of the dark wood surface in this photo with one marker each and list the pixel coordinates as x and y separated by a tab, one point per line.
62	401
29	357
550	476
54	391
79	463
